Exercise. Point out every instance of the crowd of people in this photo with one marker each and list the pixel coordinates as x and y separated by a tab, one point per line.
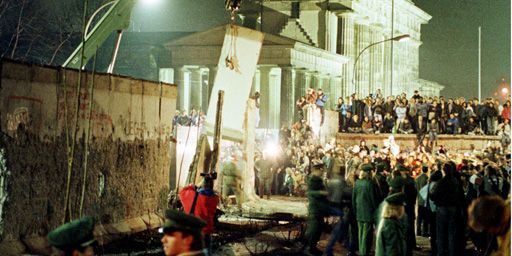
380	190
184	118
422	115
383	197
411	115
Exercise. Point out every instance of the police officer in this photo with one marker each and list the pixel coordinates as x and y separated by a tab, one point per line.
410	205
74	238
364	204
182	234
318	208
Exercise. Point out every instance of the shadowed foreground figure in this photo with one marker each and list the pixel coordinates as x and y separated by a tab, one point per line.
182	234
491	214
392	229
318	208
73	238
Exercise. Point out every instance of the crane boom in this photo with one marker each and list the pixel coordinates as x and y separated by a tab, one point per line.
117	18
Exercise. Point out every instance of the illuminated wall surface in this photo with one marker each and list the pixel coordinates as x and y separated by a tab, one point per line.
127	179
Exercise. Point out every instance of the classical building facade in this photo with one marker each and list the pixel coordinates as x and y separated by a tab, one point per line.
310	44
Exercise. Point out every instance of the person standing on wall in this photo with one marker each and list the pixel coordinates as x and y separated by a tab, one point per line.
320	103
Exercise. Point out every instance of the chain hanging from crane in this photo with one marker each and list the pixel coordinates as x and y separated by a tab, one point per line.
231	60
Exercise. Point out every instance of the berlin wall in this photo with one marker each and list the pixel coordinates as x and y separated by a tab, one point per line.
127	179
453	143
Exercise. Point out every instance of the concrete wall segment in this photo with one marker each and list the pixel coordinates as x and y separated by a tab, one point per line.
129	150
36	88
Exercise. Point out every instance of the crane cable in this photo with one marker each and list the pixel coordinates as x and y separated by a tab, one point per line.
231	60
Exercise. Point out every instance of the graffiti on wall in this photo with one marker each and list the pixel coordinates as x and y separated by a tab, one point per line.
142	130
24	111
18	116
101	122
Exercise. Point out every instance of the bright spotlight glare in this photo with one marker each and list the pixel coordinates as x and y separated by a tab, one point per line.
271	149
504	90
150	2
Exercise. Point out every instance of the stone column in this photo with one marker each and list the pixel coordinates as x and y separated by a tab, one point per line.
212	72
274	98
287	96
322	29
347	44
178	80
299	88
332	32
264	96
365	68
195	88
361	70
375	64
335	83
205	90
312	80
386	87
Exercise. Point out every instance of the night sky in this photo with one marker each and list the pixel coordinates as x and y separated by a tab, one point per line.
449	54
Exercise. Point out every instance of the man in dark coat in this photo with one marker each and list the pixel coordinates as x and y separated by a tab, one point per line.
318	208
381	185
447	195
422	221
364	205
265	175
410	204
339	196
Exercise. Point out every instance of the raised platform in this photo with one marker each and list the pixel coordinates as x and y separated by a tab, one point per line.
409	141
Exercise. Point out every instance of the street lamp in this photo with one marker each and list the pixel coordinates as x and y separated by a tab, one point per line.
399	38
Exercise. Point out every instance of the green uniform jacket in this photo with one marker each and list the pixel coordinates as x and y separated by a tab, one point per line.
410	197
421	181
230	174
382	188
264	166
363	200
391	238
318	203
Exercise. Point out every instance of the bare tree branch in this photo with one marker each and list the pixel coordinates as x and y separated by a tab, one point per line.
19	29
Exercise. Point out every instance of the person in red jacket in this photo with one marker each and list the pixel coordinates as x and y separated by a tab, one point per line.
505	113
201	202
